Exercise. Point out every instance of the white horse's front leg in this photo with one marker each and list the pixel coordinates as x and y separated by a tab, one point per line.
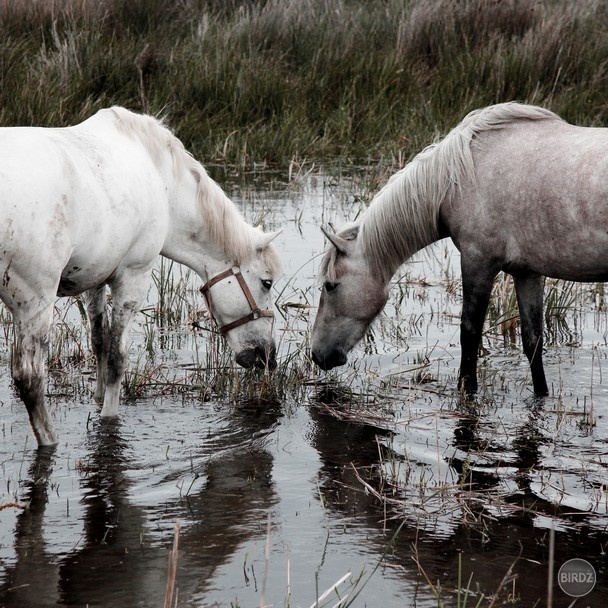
30	353
97	312
127	294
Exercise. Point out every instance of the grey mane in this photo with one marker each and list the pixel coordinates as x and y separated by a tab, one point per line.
403	217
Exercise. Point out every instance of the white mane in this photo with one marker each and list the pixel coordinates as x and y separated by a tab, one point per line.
403	217
222	219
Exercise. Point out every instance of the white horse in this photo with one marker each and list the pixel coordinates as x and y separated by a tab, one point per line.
516	188
95	204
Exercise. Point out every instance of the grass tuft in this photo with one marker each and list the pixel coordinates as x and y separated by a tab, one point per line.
275	80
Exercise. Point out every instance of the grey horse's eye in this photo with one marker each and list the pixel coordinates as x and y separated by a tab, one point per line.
330	286
267	283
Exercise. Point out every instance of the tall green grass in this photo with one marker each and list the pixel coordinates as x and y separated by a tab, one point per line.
272	80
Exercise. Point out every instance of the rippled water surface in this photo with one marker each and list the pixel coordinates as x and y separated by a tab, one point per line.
374	477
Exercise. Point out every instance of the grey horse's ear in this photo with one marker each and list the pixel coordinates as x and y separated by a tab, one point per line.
342	245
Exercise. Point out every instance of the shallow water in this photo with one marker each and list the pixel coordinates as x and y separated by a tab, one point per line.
376	470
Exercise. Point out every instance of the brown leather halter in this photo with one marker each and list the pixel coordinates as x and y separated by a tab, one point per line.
255	313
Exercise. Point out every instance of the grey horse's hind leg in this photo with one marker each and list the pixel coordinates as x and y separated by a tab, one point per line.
30	351
477	284
529	290
97	312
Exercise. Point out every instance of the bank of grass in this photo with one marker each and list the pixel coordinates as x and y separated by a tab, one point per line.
246	81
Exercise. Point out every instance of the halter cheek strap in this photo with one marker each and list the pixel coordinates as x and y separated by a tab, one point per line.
255	313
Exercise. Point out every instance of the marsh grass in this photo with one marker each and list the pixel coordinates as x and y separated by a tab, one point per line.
276	80
174	303
563	304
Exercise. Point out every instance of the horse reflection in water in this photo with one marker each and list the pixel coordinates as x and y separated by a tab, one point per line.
108	560
516	188
451	532
114	561
94	205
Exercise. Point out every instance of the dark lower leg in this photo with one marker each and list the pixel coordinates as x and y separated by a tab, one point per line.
529	290
29	375
476	289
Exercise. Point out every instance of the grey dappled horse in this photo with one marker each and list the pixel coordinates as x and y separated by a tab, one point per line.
516	188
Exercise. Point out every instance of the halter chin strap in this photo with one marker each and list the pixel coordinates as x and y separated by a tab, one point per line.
255	313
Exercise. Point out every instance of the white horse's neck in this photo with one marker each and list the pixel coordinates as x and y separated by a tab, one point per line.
205	230
206	233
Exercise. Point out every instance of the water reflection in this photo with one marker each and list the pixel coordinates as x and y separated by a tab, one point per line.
347	449
108	562
113	563
482	459
232	504
483	482
228	486
34	571
499	540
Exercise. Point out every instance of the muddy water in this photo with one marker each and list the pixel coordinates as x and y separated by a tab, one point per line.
374	476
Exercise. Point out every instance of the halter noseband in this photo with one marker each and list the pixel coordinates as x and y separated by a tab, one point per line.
255	313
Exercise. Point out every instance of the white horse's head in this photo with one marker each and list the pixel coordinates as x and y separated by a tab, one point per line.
206	232
240	300
351	298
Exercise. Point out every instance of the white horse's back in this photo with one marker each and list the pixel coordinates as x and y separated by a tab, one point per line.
75	200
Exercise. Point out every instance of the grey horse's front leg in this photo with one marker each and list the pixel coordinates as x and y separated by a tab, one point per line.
529	290
476	289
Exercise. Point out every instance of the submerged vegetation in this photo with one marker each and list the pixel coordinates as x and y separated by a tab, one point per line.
271	80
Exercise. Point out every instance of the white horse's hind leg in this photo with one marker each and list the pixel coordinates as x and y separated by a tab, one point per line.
127	294
30	353
97	312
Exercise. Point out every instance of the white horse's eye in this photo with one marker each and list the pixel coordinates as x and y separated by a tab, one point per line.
267	283
330	286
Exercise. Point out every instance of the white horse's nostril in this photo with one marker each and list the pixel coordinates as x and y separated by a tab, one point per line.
257	356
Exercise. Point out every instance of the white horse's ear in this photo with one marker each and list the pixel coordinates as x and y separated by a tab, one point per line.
342	245
267	238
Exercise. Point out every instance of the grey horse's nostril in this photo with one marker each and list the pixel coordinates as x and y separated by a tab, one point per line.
336	358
